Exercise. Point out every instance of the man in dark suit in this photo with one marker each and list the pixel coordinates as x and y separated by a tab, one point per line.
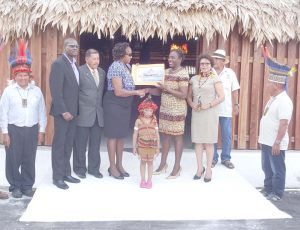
64	87
90	119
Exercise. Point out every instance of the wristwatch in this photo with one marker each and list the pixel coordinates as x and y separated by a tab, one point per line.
277	142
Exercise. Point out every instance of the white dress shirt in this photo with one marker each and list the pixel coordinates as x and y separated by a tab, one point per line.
13	112
74	67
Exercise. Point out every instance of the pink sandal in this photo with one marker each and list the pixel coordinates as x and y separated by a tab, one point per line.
143	184
149	185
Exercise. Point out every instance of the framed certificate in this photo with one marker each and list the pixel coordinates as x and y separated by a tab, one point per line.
149	74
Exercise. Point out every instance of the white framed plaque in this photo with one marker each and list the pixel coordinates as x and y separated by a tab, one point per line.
149	74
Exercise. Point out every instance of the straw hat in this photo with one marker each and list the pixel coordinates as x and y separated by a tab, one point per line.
220	54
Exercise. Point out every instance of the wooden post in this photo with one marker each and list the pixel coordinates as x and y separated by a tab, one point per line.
50	54
244	95
297	105
36	53
256	97
233	53
291	56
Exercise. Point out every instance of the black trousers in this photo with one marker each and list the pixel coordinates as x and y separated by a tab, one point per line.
87	137
62	144
20	157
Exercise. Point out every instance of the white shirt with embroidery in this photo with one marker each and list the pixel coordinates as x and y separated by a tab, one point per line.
12	111
277	108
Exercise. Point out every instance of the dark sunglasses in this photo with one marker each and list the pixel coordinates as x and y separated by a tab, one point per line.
74	46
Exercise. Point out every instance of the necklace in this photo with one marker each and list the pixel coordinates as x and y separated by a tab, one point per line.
201	84
175	70
24	100
269	104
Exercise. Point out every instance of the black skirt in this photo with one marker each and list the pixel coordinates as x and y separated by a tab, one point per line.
117	112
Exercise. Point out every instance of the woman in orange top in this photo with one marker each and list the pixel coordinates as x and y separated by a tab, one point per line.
146	139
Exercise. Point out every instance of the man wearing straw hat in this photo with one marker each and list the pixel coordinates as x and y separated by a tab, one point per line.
273	131
23	122
229	105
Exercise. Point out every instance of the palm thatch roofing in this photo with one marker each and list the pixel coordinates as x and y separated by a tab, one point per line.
260	20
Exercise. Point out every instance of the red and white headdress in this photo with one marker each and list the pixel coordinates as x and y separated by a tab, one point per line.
20	58
147	104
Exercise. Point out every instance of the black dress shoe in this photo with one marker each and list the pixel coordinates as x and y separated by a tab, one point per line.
81	175
60	184
125	174
97	175
116	177
16	193
206	180
28	192
71	179
196	177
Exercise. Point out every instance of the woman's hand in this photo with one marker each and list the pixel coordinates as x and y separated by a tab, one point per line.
205	106
162	86
140	92
134	151
194	106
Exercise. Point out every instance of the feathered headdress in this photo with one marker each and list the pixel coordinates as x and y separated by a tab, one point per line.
278	72
20	59
147	104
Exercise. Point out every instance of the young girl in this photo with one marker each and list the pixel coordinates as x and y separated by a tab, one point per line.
146	139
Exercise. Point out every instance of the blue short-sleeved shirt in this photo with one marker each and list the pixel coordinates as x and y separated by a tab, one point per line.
118	69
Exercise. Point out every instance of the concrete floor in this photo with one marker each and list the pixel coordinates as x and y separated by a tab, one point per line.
12	209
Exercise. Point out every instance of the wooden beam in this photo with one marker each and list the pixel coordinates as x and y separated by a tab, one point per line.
245	80
50	46
4	70
256	97
36	53
297	104
291	56
235	66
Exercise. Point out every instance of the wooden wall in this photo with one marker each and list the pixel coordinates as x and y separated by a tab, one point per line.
245	59
247	62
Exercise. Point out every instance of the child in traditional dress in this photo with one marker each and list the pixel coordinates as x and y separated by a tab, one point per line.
146	140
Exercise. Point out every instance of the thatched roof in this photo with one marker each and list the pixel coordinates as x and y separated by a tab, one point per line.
259	19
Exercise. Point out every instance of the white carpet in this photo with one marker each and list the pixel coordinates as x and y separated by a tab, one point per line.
227	197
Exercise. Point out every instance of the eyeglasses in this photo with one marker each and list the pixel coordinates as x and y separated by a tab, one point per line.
130	55
204	63
74	46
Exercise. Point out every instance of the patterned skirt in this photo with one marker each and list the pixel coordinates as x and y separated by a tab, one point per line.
172	121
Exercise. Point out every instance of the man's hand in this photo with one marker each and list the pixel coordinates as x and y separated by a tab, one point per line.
6	140
276	149
236	109
67	116
41	138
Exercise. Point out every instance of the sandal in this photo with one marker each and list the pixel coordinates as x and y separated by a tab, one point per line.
228	164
